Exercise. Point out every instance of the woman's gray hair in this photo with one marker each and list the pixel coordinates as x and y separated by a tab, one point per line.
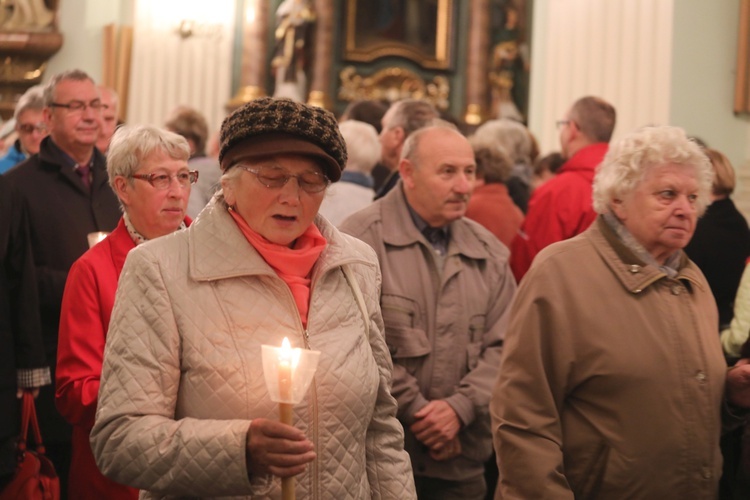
629	159
132	144
363	145
512	136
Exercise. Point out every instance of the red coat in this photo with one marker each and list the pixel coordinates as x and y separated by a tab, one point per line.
491	206
559	209
86	307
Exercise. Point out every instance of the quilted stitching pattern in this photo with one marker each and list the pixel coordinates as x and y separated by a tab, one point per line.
174	408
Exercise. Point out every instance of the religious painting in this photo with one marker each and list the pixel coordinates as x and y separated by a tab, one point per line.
419	30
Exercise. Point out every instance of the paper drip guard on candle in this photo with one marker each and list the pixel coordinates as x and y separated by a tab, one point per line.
302	363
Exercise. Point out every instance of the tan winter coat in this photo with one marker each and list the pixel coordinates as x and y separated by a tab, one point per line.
612	379
444	328
183	377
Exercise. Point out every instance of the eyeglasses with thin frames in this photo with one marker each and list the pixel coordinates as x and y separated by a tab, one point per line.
163	181
275	177
28	128
78	106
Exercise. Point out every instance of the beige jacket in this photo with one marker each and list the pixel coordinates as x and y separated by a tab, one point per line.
444	328
183	377
612	379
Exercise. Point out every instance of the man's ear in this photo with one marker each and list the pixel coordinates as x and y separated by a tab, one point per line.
406	170
400	134
573	130
47	116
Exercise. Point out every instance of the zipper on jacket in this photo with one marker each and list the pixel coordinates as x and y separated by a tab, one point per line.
314	423
313	395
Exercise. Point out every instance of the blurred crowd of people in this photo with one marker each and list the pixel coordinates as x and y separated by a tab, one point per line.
491	321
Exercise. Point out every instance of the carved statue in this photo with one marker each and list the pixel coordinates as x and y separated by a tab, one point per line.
294	19
25	15
508	62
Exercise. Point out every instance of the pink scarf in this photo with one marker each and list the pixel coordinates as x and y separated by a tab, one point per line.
293	265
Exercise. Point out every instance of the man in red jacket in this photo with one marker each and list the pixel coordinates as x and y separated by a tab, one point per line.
561	208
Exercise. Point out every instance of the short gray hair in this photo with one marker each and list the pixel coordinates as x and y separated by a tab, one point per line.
411	144
112	92
629	159
510	135
132	144
363	145
411	115
33	99
51	87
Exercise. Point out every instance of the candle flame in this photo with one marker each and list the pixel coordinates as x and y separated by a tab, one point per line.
286	347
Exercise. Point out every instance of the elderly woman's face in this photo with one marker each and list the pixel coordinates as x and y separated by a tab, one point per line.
279	214
155	212
660	213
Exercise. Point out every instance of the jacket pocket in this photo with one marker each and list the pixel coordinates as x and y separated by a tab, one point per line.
590	482
404	332
474	347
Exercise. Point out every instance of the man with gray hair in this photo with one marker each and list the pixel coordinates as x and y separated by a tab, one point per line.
401	120
561	208
29	127
445	295
110	107
66	191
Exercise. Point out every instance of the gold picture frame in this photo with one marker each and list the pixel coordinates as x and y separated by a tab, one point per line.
419	30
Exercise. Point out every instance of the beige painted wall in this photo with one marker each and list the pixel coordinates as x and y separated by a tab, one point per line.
81	22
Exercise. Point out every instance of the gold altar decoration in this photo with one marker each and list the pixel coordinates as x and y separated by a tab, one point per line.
392	84
28	38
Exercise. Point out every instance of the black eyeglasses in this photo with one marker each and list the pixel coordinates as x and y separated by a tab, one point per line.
78	106
275	177
28	128
163	181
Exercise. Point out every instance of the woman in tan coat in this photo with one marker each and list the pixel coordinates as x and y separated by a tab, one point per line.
613	381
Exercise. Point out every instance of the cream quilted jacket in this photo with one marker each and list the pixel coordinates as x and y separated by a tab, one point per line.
182	374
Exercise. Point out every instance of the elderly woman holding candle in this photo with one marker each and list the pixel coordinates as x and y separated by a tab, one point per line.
148	171
613	383
184	409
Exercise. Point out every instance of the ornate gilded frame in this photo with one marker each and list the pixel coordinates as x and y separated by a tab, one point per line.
364	44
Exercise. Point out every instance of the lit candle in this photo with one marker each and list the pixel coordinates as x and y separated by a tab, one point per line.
286	374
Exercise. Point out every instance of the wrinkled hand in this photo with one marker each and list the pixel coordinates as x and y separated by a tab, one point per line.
436	424
276	448
34	392
452	449
738	384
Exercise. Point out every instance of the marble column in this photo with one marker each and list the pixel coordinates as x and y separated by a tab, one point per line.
254	68
322	56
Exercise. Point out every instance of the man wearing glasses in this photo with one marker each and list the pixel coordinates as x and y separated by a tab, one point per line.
29	127
66	190
562	207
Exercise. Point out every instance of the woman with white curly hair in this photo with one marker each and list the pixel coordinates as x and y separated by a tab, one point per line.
613	383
